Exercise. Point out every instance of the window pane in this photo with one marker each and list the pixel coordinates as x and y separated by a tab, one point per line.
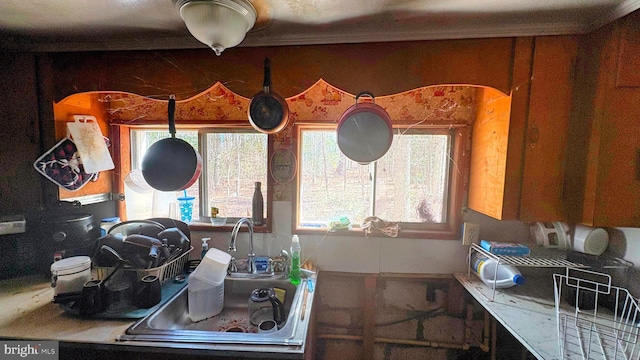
141	140
330	184
412	179
235	161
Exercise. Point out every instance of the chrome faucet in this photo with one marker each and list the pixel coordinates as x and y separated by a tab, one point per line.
287	261
251	265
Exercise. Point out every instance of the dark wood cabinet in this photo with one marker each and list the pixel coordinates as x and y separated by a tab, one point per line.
603	155
19	134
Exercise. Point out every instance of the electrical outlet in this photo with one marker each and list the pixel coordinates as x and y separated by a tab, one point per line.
470	233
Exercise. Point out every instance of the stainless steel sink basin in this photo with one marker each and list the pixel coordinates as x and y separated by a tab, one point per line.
171	322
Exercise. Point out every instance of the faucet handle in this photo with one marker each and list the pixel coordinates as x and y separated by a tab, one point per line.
270	266
233	266
287	263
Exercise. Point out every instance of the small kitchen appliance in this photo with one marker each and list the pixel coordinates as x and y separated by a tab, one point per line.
264	305
65	236
552	235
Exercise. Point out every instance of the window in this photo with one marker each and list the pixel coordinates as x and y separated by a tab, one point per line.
414	183
233	160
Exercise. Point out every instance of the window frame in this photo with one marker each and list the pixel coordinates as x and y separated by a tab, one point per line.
202	133
458	175
122	140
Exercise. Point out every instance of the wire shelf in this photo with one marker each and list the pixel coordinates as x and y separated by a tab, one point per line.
595	320
541	257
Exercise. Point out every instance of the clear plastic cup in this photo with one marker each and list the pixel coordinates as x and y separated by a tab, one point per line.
185	205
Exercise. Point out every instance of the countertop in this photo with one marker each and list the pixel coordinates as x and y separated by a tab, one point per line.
527	312
595	331
28	313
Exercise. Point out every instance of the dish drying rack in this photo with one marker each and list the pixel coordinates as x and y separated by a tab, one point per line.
608	330
164	272
539	257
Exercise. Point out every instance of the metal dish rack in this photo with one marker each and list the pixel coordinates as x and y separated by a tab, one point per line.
607	329
539	258
164	272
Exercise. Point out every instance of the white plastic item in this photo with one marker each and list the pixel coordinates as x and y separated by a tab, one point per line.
90	143
553	235
588	240
206	285
138	196
205	247
507	275
162	201
70	274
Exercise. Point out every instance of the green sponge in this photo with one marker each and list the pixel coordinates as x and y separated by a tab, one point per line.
341	223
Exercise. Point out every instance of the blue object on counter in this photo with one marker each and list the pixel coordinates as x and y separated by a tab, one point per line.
107	223
262	263
310	285
505	248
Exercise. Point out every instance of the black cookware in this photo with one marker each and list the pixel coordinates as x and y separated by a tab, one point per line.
171	164
268	112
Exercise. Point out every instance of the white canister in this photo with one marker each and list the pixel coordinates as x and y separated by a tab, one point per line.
589	240
70	274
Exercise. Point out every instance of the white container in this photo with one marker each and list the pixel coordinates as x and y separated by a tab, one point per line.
162	201
70	274
507	275
138	196
589	240
206	285
12	224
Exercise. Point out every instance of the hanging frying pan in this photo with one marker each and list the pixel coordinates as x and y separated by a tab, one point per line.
268	112
171	164
364	132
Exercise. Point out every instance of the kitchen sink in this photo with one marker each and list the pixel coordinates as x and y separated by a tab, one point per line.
171	322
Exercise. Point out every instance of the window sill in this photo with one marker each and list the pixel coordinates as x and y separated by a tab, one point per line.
228	227
404	233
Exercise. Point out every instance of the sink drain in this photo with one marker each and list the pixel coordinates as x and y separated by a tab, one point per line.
236	326
235	329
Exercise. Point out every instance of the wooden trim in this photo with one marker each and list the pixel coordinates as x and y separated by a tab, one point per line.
45	82
520	92
369	320
121	140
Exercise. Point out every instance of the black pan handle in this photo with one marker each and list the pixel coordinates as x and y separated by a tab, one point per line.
172	111
266	84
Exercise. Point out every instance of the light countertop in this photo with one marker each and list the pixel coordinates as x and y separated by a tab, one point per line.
28	313
527	312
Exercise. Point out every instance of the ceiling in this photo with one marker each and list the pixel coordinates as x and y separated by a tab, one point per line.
72	25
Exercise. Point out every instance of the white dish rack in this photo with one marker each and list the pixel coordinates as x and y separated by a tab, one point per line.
595	331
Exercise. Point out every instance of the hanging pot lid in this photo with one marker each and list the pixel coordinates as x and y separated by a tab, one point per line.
364	132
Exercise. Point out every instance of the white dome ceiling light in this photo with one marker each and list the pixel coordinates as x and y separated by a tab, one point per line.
219	24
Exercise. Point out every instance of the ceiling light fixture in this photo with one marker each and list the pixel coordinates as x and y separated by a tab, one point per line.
219	24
